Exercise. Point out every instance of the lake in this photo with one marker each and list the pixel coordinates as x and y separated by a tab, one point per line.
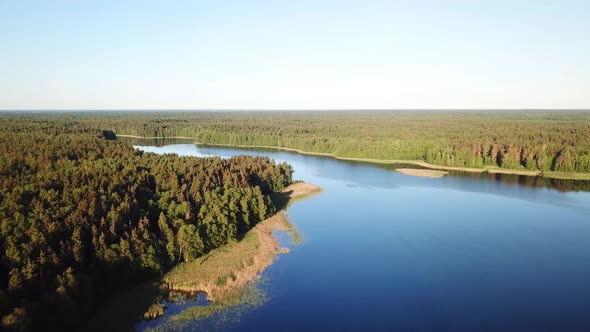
386	251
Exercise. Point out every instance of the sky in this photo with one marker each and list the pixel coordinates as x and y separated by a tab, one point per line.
294	54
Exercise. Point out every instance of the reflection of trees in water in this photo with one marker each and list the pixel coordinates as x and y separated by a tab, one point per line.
530	181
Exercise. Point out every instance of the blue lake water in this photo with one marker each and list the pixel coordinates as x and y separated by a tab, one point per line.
386	251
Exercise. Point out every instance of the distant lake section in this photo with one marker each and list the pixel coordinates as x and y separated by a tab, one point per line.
385	251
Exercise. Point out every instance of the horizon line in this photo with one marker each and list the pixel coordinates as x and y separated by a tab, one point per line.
68	110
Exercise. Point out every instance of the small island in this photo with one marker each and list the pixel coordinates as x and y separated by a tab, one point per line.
428	173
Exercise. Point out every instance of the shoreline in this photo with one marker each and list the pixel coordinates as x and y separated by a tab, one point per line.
153	137
425	173
488	169
226	270
223	273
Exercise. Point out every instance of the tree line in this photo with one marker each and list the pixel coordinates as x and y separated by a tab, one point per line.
83	215
528	141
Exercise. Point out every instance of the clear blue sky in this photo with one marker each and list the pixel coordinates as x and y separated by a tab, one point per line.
294	54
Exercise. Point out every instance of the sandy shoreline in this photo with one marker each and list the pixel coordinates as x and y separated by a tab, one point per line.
427	173
226	270
223	273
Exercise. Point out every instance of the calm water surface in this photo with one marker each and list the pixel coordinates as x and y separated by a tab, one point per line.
386	251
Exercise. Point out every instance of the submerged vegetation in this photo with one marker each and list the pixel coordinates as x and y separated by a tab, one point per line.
83	216
216	315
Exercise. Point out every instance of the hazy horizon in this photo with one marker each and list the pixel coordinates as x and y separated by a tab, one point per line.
286	56
423	110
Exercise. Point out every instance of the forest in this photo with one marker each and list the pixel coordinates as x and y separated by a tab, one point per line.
83	216
538	141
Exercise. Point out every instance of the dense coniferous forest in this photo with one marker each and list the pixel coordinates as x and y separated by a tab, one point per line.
527	141
82	216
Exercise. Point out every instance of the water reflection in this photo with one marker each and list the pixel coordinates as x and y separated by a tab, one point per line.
466	252
371	175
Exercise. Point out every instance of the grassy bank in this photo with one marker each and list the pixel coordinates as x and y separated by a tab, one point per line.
226	270
224	274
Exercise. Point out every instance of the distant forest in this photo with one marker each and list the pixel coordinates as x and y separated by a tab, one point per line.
82	215
528	141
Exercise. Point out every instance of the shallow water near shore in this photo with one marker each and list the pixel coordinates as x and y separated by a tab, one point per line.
381	250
